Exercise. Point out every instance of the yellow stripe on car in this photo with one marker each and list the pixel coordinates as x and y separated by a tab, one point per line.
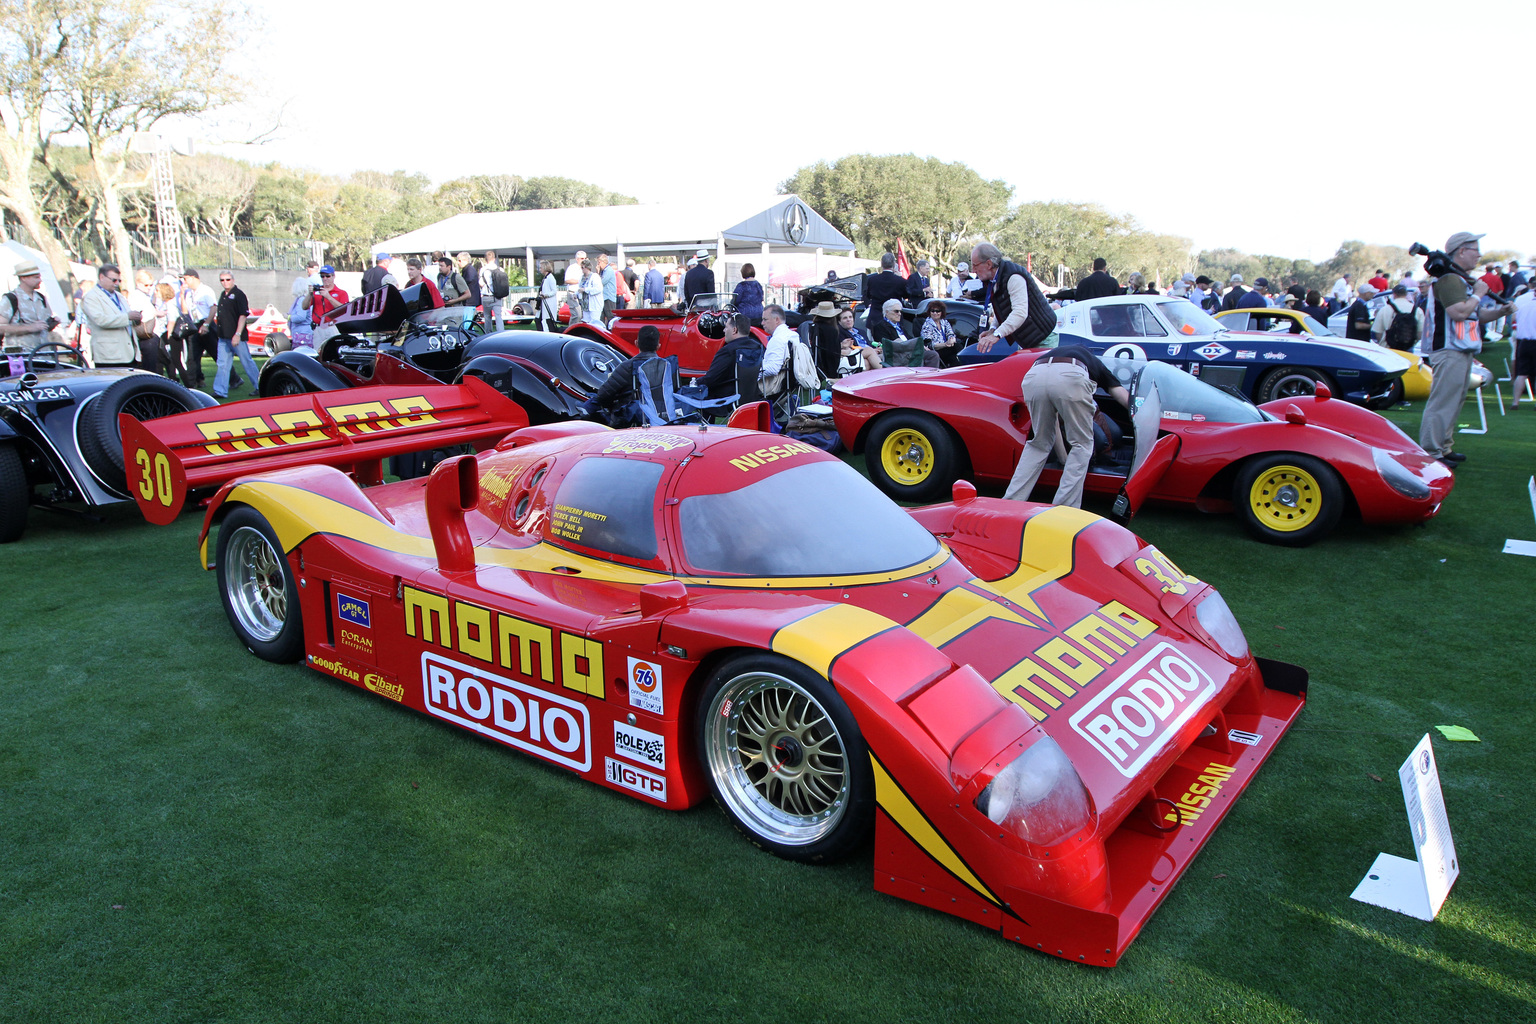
816	640
895	802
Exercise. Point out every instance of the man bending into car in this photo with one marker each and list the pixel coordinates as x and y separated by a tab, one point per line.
1061	386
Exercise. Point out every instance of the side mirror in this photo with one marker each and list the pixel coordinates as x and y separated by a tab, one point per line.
660	598
452	490
1293	414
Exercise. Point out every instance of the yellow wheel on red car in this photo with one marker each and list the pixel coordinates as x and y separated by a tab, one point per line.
1288	499
911	457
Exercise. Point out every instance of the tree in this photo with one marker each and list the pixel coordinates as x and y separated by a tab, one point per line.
1362	261
214	193
121	66
29	74
937	209
554	193
1075	234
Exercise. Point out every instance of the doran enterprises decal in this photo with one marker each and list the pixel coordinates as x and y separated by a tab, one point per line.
1131	718
645	686
544	724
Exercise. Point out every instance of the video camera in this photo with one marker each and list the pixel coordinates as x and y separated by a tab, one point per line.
1436	263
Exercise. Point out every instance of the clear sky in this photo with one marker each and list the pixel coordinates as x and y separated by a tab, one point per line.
1273	128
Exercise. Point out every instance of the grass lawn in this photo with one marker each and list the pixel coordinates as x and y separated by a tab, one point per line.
188	833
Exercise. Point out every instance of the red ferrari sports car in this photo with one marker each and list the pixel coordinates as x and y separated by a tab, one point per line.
1039	717
1289	468
693	336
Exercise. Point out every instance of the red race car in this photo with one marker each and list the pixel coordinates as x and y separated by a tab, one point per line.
1288	468
693	336
1039	718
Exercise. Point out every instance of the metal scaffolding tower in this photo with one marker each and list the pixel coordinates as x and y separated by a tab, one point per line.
166	216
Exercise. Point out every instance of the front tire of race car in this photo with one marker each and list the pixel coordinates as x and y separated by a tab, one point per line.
257	586
1292	382
785	759
15	495
144	396
1288	499
911	457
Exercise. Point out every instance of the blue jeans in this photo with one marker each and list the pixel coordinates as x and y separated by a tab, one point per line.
225	359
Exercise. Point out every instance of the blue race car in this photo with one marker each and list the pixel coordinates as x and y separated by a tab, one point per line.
1263	366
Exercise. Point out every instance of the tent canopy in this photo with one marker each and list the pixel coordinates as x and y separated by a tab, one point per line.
794	269
14	253
665	229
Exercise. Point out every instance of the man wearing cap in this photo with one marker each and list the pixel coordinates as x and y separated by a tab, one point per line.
960	283
1399	310
1098	284
110	320
1452	337
1204	294
325	297
377	275
700	280
25	319
1357	323
1257	298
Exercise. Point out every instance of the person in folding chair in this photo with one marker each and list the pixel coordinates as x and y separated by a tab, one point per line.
646	390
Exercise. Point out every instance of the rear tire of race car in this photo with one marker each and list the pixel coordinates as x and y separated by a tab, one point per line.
1292	382
15	495
143	396
1288	499
280	380
912	457
785	759
276	343
257	586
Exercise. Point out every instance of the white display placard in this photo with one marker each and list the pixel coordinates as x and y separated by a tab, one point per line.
1524	547
1416	887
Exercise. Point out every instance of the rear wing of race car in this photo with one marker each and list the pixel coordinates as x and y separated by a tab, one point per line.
352	430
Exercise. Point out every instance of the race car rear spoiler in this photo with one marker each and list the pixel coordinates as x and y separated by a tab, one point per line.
352	430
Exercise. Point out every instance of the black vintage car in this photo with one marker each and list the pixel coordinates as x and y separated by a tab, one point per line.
60	443
391	336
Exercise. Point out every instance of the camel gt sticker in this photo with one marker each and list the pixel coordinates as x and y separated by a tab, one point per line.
352	609
1212	350
645	686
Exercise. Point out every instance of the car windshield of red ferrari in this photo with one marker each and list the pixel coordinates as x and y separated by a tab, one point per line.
817	519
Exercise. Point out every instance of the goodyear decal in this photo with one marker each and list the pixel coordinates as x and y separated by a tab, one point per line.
336	667
895	802
1194	801
816	640
301	426
528	649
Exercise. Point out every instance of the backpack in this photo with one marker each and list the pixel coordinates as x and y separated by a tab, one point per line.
798	371
1403	331
499	287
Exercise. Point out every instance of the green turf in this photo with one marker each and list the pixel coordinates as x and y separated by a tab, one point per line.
190	834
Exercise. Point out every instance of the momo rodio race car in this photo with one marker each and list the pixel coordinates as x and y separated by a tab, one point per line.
1037	715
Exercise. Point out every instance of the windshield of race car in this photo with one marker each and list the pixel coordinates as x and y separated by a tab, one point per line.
1189	319
1181	394
816	519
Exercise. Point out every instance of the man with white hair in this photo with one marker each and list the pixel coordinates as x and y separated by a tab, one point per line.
1235	293
1358	325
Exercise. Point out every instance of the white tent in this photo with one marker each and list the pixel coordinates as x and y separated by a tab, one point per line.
793	269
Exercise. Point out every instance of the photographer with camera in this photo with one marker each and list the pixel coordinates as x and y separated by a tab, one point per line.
24	313
1452	338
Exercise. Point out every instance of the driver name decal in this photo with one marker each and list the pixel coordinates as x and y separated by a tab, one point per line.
1211	350
1130	719
541	723
647	443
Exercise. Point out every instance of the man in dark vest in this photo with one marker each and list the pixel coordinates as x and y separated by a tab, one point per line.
1006	286
373	277
1097	284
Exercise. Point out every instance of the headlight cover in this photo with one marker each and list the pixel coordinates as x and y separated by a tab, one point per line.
1038	796
1218	621
1397	477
